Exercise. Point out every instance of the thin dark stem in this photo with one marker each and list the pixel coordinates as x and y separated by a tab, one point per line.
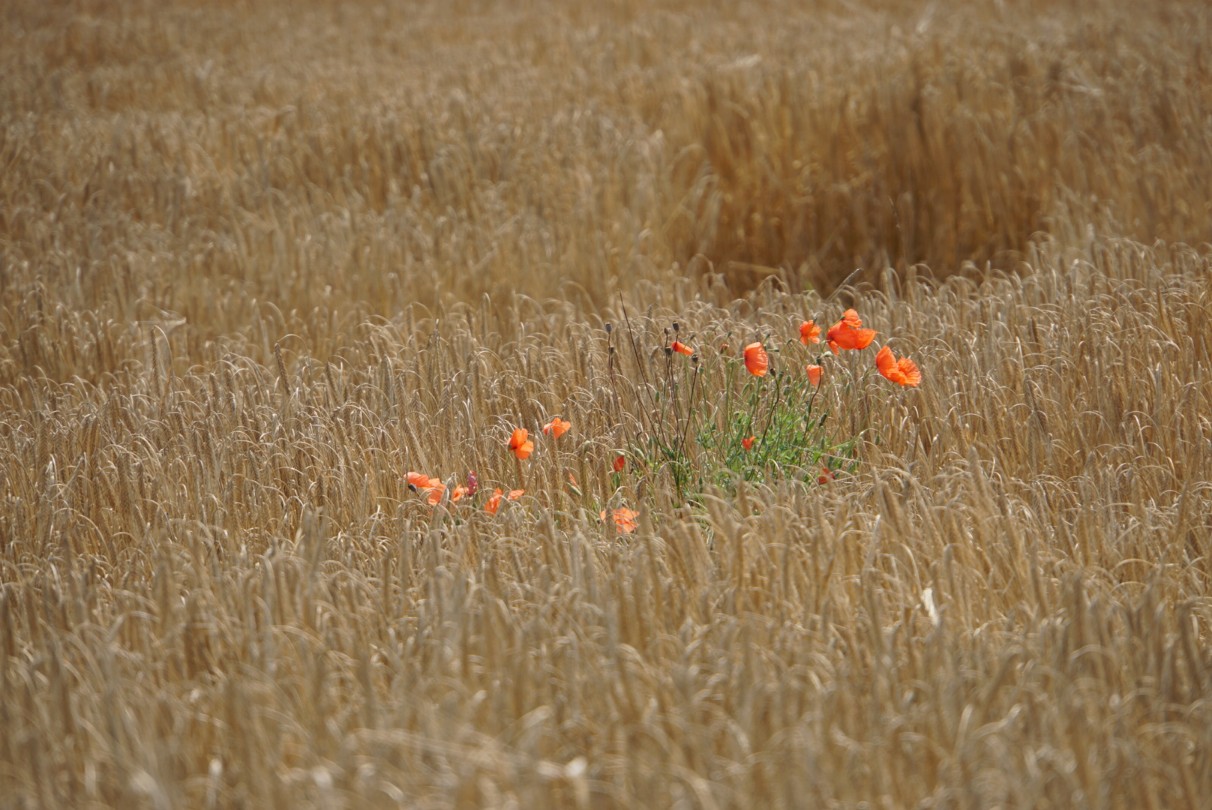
671	375
647	387
778	394
694	380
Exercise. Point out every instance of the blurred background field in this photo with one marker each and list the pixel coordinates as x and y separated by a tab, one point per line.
259	260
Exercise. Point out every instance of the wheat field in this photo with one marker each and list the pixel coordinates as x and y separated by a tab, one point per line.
258	261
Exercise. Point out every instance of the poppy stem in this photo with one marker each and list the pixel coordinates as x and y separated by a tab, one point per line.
778	395
671	378
694	380
807	422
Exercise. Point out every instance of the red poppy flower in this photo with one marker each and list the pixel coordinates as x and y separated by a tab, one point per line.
814	375
431	487
747	443
756	360
417	481
519	445
826	476
494	501
624	519
810	333
902	371
848	333
556	428
682	348
619	463
457	493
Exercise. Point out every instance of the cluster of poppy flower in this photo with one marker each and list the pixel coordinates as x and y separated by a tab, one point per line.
847	333
434	490
521	445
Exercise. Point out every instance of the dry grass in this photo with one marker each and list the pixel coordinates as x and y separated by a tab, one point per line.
259	260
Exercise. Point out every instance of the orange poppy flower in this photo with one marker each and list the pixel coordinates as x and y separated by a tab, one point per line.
747	443
902	371
520	445
624	519
431	487
814	374
556	428
619	463
494	501
457	493
848	333
756	360
810	333
682	348
417	481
